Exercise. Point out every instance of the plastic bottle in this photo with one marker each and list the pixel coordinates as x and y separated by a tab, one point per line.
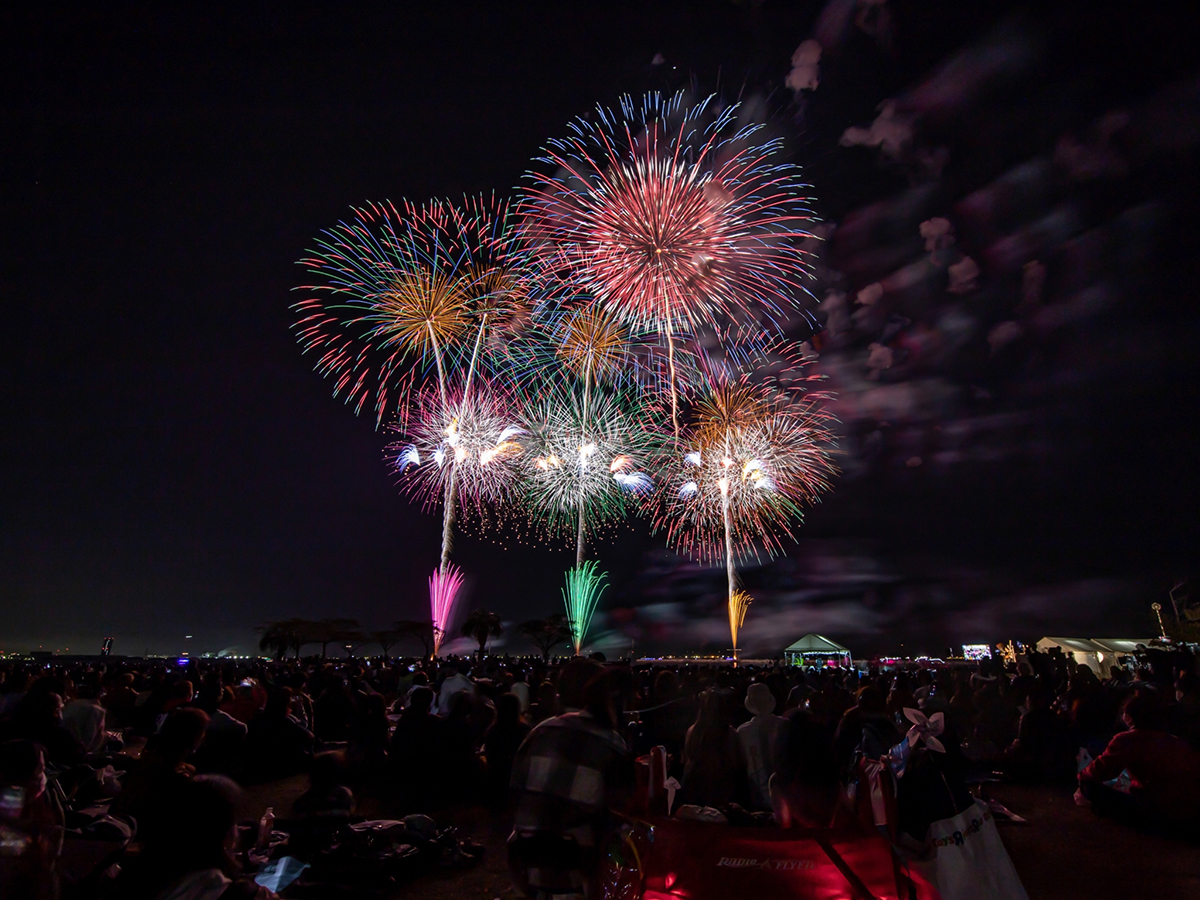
265	825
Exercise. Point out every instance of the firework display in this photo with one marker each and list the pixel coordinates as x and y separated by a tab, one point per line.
756	453
585	462
580	596
465	444
433	283
672	217
392	286
550	360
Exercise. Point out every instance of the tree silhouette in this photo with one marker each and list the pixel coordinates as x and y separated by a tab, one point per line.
335	631
547	633
301	633
276	639
386	639
421	629
482	624
284	635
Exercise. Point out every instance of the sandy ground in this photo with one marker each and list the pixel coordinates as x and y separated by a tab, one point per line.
1067	852
1063	852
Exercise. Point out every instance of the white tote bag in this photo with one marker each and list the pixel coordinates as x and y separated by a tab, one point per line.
970	862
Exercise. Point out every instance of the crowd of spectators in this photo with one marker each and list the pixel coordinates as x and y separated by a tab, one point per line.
553	746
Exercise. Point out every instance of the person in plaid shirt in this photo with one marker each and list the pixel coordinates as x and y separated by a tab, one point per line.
567	774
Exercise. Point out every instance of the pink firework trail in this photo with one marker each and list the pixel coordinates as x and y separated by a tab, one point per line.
444	585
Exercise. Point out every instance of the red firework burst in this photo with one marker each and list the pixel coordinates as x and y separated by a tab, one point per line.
673	217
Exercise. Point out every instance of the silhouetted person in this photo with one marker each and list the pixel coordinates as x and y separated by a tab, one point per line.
1164	772
151	789
415	755
567	775
276	744
457	757
324	808
333	712
367	752
501	743
193	856
806	788
38	717
712	767
30	875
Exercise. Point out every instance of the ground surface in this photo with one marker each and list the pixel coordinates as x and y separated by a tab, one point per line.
1064	852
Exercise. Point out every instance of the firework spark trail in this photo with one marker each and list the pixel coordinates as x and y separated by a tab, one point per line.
739	603
444	585
580	597
756	454
672	217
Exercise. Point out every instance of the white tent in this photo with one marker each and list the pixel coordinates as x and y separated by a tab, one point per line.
813	648
1098	654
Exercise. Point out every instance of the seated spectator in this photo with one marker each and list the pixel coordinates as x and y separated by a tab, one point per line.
415	754
248	699
994	728
501	743
38	717
276	744
32	874
797	698
192	857
367	752
224	743
333	712
1186	717
85	718
673	710
419	679
1164	772
806	788
12	689
867	730
566	776
181	694
120	700
546	705
324	808
1040	751
458	680
151	789
712	765
457	755
521	689
759	742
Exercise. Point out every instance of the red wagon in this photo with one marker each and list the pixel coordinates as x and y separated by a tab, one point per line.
659	858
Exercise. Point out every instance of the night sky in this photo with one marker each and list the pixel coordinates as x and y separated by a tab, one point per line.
1020	453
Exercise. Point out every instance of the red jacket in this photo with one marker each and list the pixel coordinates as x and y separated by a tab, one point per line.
1161	766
